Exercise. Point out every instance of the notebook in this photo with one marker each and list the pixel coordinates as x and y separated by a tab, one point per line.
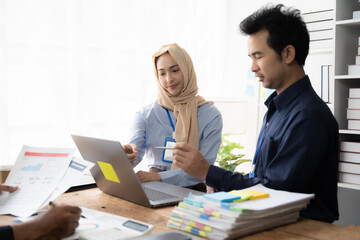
114	175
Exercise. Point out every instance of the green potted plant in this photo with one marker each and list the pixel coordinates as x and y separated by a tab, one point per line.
228	156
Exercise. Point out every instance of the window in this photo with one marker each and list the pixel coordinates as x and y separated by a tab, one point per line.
84	66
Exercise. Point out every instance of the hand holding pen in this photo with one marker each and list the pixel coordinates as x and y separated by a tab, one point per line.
56	223
54	204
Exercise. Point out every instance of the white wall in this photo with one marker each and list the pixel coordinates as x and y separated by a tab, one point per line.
91	64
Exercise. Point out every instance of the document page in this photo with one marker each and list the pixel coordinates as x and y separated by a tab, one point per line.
76	169
37	172
98	225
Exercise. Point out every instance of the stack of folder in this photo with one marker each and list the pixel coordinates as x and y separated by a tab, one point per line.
228	215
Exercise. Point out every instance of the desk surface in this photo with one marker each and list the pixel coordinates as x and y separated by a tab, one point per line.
95	199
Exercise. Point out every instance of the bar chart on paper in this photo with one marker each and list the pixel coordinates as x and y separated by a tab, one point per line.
37	171
39	168
35	161
34	168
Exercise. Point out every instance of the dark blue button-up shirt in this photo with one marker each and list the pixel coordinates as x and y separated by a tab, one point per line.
6	233
299	152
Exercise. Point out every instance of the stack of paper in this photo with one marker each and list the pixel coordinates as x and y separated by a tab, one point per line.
227	215
355	69
353	110
349	165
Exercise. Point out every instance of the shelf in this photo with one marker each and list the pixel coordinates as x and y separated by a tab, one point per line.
349	185
321	50
347	76
348	22
346	131
346	47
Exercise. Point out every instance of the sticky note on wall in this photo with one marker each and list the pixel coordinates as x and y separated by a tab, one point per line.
108	171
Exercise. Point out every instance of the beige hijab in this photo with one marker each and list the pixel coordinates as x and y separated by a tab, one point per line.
184	105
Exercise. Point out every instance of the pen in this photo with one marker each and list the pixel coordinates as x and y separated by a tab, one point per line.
167	148
54	204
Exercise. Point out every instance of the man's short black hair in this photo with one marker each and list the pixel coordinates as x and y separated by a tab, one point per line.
285	27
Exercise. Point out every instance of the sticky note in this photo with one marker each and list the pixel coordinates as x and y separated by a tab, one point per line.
190	200
255	194
244	195
183	205
221	197
108	171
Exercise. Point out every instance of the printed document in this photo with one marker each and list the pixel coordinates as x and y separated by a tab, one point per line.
37	172
74	172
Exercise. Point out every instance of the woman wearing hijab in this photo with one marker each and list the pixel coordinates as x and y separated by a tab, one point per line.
178	115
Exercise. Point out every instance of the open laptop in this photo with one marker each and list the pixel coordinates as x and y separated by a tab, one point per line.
114	175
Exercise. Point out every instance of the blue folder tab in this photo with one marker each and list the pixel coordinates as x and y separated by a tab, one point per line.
221	197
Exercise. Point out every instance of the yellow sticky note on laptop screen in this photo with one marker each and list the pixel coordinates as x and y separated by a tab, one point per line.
108	171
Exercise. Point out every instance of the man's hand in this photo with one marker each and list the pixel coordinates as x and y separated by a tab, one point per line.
56	223
190	160
148	176
60	221
210	189
7	188
131	151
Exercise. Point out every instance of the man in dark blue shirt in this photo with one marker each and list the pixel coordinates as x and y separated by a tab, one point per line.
298	146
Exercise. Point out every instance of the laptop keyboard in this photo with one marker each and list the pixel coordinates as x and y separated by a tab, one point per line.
155	195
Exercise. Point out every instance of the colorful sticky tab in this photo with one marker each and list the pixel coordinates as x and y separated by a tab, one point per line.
204	216
195	231
197	204
190	200
216	214
190	196
197	225
108	171
174	224
186	200
178	213
208	211
183	205
255	194
175	219
225	206
221	197
236	209
244	195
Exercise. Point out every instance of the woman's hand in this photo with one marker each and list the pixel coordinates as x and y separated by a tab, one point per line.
148	176
131	151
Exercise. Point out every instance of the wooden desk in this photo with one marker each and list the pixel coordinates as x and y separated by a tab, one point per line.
302	230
